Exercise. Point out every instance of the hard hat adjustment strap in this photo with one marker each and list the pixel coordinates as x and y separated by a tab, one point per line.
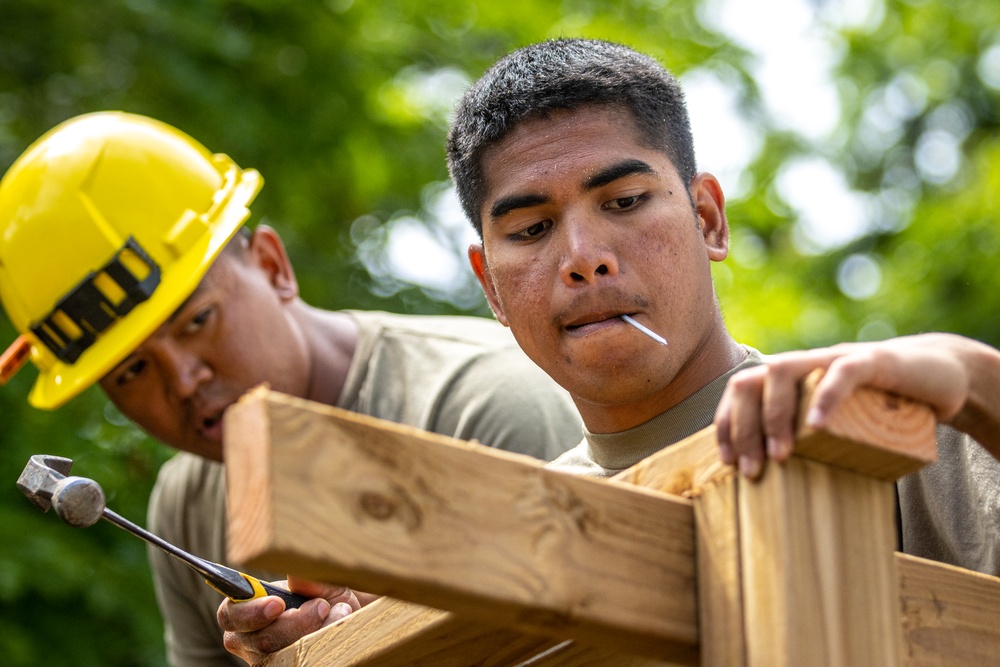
97	302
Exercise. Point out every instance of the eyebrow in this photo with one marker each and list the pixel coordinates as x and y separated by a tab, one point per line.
610	174
177	311
505	205
616	171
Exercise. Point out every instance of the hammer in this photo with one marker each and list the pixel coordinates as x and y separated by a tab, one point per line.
80	502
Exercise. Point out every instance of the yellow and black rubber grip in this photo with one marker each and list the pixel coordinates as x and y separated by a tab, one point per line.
263	589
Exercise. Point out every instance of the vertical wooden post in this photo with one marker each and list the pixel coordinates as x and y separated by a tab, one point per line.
817	539
819	584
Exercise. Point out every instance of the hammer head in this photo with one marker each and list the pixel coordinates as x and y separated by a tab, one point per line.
40	477
77	500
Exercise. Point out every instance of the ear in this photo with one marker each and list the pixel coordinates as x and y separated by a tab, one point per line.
268	253
477	258
710	206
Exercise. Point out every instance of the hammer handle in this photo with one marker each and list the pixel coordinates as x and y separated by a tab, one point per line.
262	588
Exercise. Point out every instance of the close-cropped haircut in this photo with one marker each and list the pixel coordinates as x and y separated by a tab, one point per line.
565	74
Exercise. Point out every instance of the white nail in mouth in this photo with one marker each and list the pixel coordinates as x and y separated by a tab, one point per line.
652	334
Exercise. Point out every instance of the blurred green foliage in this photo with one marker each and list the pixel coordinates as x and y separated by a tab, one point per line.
343	108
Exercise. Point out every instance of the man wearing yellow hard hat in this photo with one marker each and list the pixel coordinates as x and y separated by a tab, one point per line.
122	263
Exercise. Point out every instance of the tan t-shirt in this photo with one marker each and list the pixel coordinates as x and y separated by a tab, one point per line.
460	376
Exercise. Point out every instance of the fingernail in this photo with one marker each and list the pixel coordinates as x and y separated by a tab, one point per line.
322	609
340	610
749	467
726	454
778	449
814	419
773	447
273	609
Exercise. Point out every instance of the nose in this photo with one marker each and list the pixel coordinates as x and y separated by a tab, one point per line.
183	370
587	255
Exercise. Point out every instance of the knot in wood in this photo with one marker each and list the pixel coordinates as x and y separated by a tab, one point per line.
394	504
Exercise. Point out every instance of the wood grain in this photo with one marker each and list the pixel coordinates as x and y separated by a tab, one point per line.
873	432
458	526
796	569
951	617
819	584
692	468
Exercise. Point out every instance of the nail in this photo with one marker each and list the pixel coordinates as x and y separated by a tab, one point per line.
750	467
273	609
652	334
815	418
340	610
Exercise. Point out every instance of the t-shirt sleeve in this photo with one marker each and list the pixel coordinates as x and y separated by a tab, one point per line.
191	633
506	401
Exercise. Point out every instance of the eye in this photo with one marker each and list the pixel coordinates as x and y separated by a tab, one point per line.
625	203
198	321
130	372
533	231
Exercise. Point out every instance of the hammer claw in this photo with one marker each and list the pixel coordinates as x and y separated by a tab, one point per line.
40	476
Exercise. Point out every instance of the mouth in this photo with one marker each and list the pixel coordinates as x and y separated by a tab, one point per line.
210	426
589	323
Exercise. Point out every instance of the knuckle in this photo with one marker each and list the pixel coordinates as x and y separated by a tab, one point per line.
232	642
222	616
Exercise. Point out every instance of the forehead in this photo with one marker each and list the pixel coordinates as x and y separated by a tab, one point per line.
562	148
556	125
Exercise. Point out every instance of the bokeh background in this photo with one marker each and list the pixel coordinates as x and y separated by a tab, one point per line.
856	139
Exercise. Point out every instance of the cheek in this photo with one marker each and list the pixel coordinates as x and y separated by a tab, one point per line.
520	289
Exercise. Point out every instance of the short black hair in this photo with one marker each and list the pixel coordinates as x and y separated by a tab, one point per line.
565	74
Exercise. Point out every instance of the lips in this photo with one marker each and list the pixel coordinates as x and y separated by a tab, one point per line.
210	425
587	323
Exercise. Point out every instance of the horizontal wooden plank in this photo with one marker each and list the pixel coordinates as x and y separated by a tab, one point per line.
951	617
872	432
394	633
336	496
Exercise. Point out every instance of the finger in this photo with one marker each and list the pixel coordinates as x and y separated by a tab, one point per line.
285	630
250	615
337	612
723	427
332	593
779	405
745	428
843	376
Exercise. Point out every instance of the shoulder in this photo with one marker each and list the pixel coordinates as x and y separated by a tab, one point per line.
457	331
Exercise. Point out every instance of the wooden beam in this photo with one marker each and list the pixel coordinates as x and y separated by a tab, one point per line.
873	432
951	616
817	536
394	633
492	535
819	585
693	468
690	468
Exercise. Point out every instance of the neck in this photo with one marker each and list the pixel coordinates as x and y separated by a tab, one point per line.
331	338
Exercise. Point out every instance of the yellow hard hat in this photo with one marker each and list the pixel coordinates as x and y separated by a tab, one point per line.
107	224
